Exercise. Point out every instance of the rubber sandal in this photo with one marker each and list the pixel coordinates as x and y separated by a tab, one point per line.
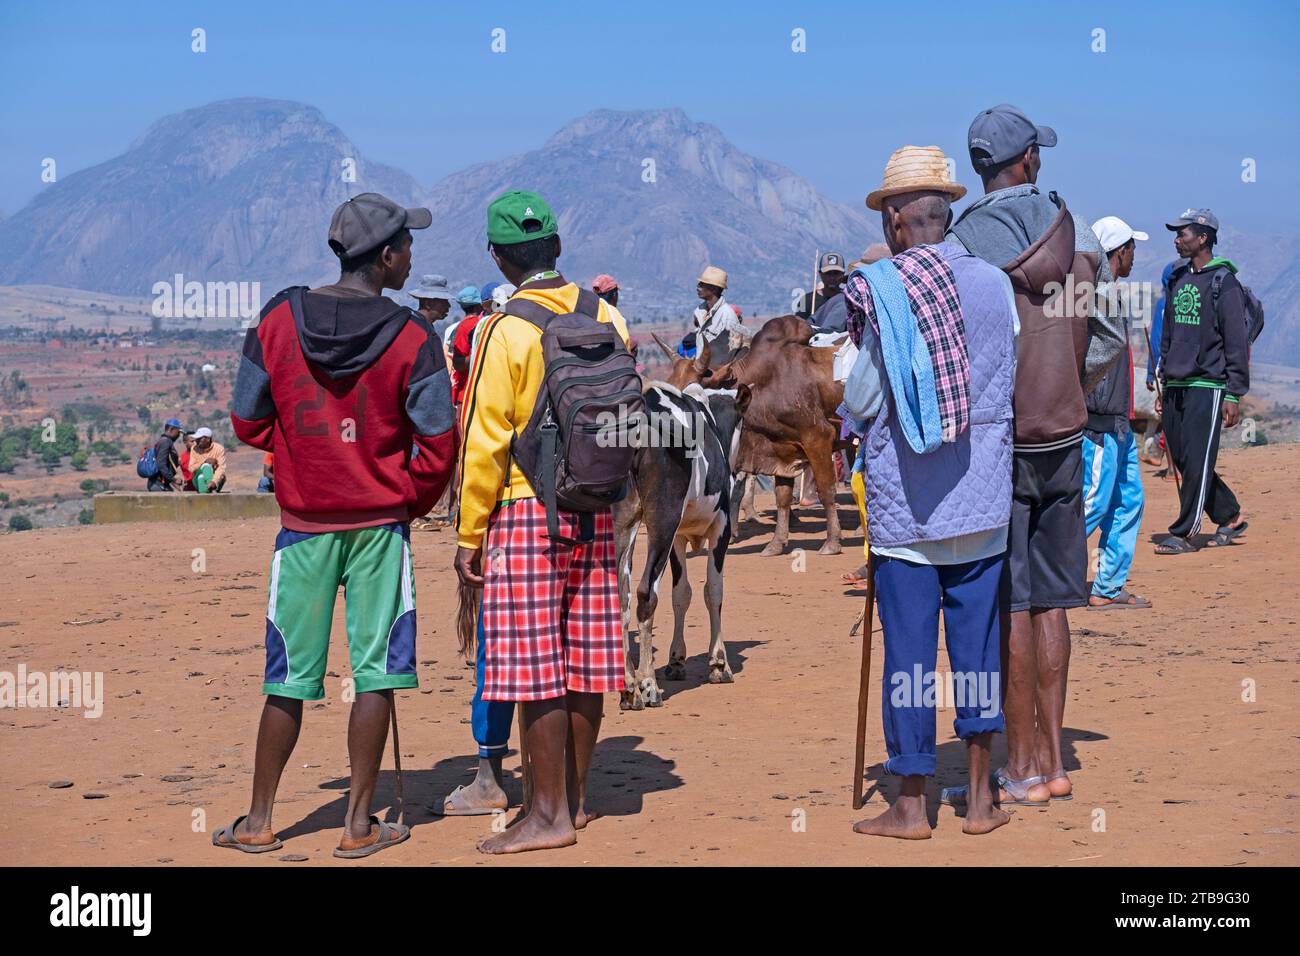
1227	534
1175	545
1016	789
1123	601
466	812
402	831
234	844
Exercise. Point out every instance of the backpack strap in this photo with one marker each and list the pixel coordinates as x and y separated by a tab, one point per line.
1216	285
588	304
534	312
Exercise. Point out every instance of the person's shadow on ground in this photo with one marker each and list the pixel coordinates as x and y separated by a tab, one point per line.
620	777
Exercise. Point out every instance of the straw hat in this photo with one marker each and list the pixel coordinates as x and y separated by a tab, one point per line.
713	276
915	169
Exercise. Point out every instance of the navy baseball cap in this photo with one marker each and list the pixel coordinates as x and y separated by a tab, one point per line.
1003	133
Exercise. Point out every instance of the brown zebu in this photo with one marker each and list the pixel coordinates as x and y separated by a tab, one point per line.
790	398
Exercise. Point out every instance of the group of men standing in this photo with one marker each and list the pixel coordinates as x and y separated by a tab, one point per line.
994	409
972	395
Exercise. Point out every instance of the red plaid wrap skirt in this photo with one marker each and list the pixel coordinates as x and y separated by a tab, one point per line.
551	617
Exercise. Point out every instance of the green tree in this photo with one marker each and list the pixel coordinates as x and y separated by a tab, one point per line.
86	516
20	523
80	459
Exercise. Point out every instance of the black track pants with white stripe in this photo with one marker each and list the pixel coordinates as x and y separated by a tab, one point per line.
1192	419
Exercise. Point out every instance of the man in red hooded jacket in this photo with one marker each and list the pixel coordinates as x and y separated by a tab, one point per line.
349	390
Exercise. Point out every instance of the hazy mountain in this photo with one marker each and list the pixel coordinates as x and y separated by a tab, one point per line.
238	190
243	190
652	197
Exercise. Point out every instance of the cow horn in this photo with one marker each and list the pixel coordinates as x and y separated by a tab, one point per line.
672	356
702	355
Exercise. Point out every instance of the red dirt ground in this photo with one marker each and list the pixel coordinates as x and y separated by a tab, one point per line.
1170	765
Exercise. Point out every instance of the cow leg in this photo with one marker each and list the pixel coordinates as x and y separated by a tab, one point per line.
676	669
781	536
627	518
747	509
645	691
824	475
719	666
625	544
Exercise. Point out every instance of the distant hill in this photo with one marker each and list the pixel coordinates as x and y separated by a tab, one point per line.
242	190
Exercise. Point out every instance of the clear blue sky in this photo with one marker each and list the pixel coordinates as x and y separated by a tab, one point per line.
416	84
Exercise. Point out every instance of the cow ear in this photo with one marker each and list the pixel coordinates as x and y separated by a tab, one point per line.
743	395
672	356
702	356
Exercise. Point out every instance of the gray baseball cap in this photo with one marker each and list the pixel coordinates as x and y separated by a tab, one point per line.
369	220
830	262
1194	217
1002	133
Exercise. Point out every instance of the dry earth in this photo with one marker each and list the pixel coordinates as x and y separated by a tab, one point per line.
1170	764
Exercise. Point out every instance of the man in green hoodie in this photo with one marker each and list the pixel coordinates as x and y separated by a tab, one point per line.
1205	366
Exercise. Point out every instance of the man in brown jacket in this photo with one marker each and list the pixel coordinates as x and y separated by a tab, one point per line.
1065	348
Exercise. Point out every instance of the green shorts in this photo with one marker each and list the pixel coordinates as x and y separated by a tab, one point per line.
374	567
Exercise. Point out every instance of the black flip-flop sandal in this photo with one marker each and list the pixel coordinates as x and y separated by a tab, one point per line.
234	844
1123	601
1227	534
1175	545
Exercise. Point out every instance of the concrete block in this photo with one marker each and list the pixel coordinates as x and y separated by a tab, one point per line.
113	507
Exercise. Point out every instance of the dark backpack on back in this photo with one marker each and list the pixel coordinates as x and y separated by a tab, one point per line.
1254	308
589	375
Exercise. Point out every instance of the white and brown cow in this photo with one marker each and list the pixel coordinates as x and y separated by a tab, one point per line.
681	495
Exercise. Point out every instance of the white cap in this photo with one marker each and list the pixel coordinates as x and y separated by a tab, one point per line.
202	433
1112	232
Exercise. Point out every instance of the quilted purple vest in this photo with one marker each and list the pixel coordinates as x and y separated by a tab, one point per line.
963	486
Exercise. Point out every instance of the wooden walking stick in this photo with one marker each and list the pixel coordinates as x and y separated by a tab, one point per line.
1160	394
864	682
397	759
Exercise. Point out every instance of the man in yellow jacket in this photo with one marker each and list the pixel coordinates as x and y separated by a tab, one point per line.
549	623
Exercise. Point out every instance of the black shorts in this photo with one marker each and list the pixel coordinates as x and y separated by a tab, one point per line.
1047	544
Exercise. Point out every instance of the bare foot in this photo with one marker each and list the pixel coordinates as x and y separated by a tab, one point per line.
532	834
984	822
893	823
584	816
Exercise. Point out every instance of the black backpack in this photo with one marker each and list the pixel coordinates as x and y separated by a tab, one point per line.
589	375
1254	308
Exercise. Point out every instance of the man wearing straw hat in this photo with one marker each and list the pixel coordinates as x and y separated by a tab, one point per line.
715	317
1055	263
933	381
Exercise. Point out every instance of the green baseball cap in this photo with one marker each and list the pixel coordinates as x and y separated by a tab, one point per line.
511	212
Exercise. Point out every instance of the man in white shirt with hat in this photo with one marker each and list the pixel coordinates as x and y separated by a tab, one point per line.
715	317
